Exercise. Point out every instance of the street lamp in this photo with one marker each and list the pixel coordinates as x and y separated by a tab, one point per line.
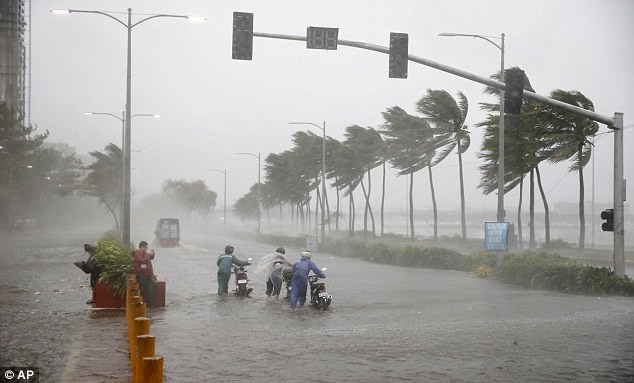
259	195
224	209
128	104
323	173
122	119
500	212
11	168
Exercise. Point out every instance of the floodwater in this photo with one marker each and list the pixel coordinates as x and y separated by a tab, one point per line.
385	323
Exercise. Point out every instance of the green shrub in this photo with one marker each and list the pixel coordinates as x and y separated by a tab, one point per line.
557	244
553	272
540	270
115	262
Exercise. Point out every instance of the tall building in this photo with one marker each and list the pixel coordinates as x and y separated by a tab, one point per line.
13	55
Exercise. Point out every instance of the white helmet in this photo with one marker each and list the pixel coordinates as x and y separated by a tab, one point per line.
306	254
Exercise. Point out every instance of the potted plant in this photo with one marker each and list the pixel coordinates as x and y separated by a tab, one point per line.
115	262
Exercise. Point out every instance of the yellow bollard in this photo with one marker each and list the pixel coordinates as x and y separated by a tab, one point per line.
152	370
138	310
141	327
144	348
130	285
131	313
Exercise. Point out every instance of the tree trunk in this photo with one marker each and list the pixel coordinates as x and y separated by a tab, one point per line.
338	211
383	203
546	209
411	205
532	243
462	201
433	201
352	215
368	209
582	214
365	210
520	239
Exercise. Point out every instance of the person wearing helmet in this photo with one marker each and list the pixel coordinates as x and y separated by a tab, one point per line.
274	282
225	261
301	269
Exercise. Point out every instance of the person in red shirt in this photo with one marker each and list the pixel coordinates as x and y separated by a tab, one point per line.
144	272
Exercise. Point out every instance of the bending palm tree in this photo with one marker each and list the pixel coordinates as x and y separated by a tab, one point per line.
448	116
569	136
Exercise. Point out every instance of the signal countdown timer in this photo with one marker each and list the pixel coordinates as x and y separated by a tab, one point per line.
321	38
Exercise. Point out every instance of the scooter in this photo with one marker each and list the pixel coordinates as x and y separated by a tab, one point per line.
242	281
287	275
319	298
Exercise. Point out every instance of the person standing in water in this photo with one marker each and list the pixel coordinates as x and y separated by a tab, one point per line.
301	269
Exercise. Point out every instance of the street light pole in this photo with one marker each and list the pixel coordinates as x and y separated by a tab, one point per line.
500	211
224	210
11	168
128	104
259	195
323	173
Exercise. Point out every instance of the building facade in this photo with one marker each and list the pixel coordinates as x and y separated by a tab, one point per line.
13	55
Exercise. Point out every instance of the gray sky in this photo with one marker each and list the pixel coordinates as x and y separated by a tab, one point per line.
213	106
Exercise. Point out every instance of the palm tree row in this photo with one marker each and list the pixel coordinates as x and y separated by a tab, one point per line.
410	143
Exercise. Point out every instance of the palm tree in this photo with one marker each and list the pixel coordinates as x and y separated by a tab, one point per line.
368	149
411	145
569	138
525	149
447	117
104	179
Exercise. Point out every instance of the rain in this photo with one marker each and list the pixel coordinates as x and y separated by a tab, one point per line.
235	149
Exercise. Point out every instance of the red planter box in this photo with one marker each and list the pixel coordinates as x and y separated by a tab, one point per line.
106	298
159	294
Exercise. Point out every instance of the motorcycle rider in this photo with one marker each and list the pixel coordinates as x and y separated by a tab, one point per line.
301	269
274	283
225	261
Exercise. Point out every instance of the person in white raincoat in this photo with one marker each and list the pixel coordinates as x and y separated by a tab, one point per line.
271	266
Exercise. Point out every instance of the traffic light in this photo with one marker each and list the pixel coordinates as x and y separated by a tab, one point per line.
398	55
242	43
513	90
608	216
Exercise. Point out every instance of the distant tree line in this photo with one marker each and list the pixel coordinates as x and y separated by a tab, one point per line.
34	176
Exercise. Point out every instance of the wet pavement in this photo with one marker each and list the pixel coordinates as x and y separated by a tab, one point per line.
385	323
44	320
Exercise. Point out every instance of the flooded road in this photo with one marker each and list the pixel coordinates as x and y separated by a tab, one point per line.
385	324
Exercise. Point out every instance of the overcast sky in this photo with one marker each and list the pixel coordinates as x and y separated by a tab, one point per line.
214	107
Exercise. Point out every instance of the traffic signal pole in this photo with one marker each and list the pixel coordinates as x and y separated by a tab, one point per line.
619	198
615	123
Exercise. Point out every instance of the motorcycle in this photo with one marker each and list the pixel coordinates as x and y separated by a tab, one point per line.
319	298
287	276
242	281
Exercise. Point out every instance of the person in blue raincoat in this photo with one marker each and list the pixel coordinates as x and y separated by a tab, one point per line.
301	269
225	261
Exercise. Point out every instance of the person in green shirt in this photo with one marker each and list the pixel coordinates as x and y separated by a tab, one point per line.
225	261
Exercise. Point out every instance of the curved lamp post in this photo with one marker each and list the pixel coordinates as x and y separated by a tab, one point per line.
500	212
259	195
128	104
224	209
323	173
